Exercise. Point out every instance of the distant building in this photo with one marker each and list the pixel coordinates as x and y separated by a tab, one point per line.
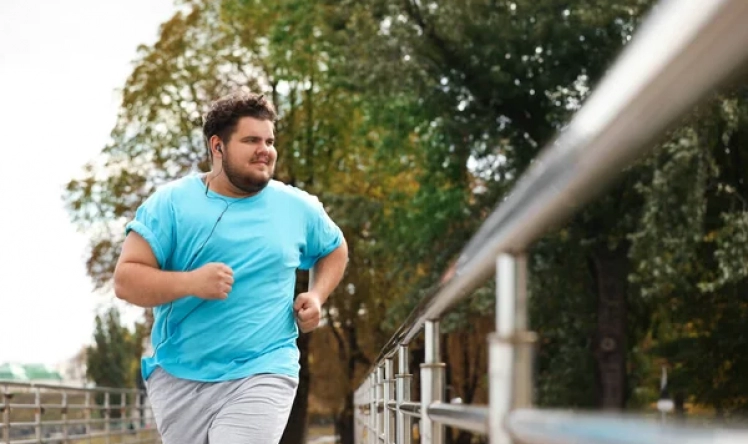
37	373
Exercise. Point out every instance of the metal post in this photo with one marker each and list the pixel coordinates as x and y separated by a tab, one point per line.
510	352
380	398
107	417
524	340
432	385
123	411
389	395
356	415
373	439
404	378
87	413
137	418
38	414
6	414
65	416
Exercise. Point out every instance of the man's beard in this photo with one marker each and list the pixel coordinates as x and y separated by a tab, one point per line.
244	182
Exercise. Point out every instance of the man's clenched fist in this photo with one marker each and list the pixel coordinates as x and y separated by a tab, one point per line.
307	308
212	281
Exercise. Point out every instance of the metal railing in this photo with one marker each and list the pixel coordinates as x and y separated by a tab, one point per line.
684	50
58	414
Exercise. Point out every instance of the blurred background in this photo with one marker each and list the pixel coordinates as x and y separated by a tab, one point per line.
411	121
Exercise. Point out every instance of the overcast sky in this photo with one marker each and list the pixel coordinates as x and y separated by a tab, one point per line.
60	66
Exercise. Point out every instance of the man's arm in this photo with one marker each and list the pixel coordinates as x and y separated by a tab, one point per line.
325	276
139	280
328	272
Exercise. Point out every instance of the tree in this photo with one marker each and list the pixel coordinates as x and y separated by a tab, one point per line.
114	358
495	81
691	248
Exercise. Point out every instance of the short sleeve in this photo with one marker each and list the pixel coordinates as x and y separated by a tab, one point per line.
322	238
154	221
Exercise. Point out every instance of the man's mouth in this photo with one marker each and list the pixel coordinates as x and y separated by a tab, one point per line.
262	161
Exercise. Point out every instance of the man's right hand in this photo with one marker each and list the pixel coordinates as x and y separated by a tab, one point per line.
212	281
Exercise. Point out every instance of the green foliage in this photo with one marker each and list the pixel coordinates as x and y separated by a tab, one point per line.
490	83
690	248
562	312
114	358
731	249
672	221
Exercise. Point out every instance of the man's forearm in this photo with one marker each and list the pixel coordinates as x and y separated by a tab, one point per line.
328	272
146	286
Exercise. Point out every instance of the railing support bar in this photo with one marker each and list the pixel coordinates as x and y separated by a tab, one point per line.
38	414
404	378
108	418
87	413
510	347
389	395
6	414
372	433
432	385
64	414
380	410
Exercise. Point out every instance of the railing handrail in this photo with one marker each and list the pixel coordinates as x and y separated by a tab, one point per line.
595	427
598	144
32	384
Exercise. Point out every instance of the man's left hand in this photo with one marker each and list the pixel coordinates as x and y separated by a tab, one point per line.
307	308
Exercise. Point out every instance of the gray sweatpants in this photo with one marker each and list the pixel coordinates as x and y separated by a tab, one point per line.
250	410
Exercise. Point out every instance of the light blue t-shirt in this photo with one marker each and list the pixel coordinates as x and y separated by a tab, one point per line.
264	239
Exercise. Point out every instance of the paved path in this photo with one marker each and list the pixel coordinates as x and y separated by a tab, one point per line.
322	440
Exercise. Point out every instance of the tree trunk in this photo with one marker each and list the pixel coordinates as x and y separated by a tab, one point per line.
344	420
296	428
344	426
469	383
610	269
680	405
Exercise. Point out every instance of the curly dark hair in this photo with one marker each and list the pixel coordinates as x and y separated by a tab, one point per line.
224	113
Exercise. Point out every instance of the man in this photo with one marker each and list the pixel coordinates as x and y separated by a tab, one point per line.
215	255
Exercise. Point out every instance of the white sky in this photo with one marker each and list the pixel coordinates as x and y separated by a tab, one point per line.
61	63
